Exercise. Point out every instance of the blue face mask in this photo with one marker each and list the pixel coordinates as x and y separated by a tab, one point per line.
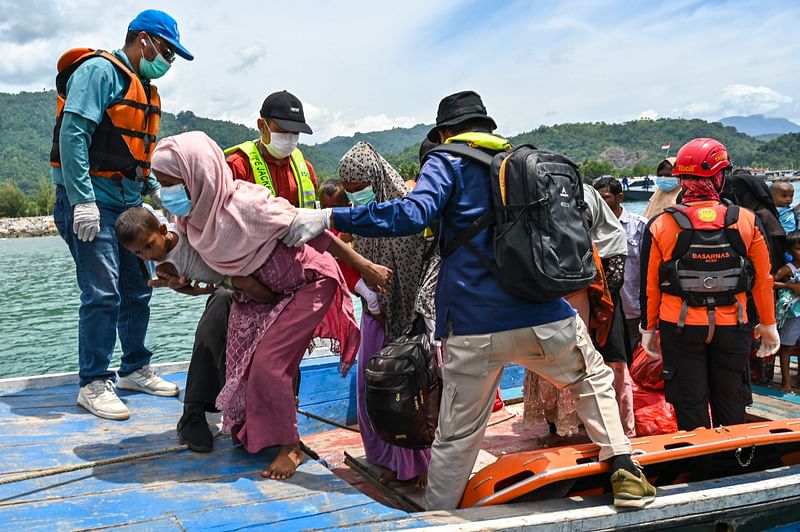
361	197
176	200
667	184
153	69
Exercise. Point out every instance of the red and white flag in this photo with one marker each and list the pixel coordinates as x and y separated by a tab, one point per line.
665	146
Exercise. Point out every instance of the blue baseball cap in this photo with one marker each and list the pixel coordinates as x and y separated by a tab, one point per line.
161	25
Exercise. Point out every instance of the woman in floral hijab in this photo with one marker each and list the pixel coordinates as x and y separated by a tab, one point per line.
367	177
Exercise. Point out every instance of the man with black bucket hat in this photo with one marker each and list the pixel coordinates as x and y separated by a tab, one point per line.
274	161
483	326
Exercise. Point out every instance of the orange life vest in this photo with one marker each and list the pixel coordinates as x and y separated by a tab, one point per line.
664	231
122	144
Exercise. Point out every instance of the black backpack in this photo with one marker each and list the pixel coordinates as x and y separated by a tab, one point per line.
402	391
542	246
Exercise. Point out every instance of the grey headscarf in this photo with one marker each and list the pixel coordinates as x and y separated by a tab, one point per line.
404	255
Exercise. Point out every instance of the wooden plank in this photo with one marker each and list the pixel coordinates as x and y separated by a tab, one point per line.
400	493
71	378
159	488
763	393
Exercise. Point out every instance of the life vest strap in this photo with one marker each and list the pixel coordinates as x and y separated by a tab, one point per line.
740	314
147	108
682	316
703	281
712	321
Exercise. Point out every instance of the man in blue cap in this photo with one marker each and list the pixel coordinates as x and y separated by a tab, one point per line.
107	119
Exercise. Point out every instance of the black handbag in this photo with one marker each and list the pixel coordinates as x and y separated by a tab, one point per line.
403	389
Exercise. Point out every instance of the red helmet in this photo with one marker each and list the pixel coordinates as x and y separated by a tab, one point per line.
701	158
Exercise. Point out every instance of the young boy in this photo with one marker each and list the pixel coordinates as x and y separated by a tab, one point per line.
787	282
783	194
140	232
331	194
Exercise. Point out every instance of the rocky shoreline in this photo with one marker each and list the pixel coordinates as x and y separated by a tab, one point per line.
27	227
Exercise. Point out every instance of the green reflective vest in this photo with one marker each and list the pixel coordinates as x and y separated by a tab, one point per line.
306	195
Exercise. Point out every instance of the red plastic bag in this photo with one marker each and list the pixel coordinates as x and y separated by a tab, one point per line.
498	402
643	397
652	413
646	371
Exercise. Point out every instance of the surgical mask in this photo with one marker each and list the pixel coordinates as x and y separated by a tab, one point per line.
667	184
361	197
176	200
155	68
281	145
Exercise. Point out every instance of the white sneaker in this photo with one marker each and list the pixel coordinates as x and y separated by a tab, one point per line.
99	398
145	380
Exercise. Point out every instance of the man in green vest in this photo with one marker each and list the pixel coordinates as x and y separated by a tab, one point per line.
273	160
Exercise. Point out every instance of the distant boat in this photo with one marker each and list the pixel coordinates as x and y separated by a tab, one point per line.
637	191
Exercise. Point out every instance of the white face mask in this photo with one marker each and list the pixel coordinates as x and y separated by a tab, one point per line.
281	145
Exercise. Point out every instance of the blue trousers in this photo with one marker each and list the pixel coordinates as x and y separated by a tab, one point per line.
114	295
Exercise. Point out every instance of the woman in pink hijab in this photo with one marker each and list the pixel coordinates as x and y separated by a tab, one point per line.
235	226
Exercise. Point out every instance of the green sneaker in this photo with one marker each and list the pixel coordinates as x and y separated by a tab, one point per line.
630	491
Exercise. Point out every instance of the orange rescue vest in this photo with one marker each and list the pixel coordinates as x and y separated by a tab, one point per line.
122	144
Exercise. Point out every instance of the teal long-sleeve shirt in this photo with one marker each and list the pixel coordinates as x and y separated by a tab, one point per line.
93	87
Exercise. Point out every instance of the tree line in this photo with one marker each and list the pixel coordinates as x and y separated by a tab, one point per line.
630	148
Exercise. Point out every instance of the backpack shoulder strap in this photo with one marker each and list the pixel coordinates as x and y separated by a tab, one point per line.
487	219
733	235
681	218
463	236
684	239
462	150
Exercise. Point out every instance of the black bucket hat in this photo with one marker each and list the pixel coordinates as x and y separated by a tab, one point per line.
458	108
285	108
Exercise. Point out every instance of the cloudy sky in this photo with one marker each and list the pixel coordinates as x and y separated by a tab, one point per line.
370	65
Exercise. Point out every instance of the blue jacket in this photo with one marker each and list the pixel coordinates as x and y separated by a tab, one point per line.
469	299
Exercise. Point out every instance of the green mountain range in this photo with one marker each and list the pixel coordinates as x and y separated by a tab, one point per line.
26	122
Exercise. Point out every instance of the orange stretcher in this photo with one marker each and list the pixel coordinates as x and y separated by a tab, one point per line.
563	471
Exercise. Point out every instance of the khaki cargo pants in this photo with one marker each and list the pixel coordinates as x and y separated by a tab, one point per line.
561	352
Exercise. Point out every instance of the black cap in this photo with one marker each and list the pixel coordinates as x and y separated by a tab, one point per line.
458	108
287	111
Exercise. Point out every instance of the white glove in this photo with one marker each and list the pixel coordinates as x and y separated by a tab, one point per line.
86	221
307	224
770	340
369	296
650	342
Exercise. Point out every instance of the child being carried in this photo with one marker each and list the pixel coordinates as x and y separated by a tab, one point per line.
141	233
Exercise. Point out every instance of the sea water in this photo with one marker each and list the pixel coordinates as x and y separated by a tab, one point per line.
39	303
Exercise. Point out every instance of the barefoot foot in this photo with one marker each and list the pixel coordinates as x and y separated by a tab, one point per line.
387	476
285	464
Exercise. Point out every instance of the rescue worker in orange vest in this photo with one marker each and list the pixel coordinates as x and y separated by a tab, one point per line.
699	260
274	161
106	125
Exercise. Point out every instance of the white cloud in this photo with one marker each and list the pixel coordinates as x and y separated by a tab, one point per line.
367	65
647	114
739	99
327	124
755	100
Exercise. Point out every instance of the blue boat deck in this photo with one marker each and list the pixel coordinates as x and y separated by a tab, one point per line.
43	428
